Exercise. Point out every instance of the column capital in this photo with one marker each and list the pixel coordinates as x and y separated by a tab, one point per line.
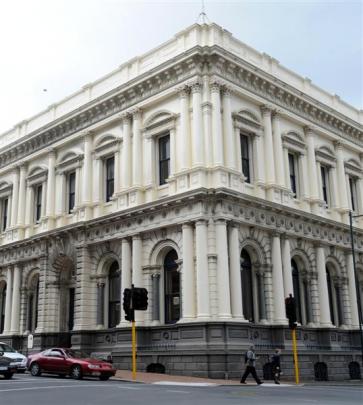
183	91
276	114
136	237
309	130
155	276
136	113
266	109
51	152
215	85
126	117
339	145
196	87
186	225
226	91
201	222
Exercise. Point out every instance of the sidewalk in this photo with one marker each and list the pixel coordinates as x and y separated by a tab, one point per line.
166	379
153	378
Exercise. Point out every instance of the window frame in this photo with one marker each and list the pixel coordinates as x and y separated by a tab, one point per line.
163	181
108	181
294	176
248	159
71	203
4	213
38	209
325	184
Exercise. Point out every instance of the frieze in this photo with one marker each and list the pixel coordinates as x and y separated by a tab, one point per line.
242	74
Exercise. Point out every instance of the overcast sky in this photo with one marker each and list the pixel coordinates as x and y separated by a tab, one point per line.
60	45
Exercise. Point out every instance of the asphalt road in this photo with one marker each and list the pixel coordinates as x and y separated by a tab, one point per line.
47	390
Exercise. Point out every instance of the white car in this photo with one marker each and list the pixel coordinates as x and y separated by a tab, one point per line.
18	359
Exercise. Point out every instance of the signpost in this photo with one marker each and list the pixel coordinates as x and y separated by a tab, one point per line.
135	299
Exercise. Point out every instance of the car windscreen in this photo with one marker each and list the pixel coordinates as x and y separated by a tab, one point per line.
77	354
6	348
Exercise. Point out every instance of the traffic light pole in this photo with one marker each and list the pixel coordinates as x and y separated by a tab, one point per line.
133	334
296	363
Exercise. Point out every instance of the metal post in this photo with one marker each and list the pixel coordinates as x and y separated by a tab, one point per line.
296	363
133	350
356	280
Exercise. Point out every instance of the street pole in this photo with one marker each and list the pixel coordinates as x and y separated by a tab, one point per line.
133	335
296	363
360	318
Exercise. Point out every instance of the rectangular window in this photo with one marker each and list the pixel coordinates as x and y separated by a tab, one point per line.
38	202
110	177
292	170
245	154
325	183
353	193
164	159
71	191
4	214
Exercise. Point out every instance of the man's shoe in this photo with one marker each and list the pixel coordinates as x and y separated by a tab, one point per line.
261	382
276	382
243	382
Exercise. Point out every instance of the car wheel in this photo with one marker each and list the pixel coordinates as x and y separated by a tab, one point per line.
76	372
104	377
35	370
7	376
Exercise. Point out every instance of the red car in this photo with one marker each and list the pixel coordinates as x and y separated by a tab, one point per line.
69	362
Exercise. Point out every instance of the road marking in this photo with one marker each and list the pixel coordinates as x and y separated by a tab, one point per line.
186	384
178	392
51	387
123	387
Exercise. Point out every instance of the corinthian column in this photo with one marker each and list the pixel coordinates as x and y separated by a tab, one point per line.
235	273
277	280
126	152
188	274
279	160
15	197
269	156
136	149
352	291
9	292
51	187
125	272
286	265
230	152
184	138
325	319
202	277
208	147
342	185
87	170
313	176
218	147
198	138
224	299
15	307
22	195
137	278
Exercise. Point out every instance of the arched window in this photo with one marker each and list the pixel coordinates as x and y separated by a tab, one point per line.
247	286
33	298
2	305
114	292
296	287
172	288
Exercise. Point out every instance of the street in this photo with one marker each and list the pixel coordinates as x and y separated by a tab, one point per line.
48	390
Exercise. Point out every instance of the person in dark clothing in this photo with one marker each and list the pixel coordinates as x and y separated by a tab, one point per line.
276	366
250	359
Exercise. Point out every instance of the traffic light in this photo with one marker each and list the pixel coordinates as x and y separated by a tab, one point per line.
290	306
129	312
139	299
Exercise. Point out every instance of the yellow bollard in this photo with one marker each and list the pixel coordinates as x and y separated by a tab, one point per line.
296	364
133	350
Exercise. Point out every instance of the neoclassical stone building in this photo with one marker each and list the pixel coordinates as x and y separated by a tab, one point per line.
211	175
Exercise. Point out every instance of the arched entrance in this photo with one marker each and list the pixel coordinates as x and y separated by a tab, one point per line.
32	305
171	287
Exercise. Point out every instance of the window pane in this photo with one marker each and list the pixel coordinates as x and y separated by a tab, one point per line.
110	177
324	183
38	203
71	191
245	157
164	159
4	213
292	172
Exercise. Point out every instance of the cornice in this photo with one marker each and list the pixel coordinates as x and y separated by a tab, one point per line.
178	70
261	83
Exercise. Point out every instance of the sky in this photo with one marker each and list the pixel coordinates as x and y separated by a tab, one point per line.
61	45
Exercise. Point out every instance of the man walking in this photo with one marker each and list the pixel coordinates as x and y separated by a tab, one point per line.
250	360
276	366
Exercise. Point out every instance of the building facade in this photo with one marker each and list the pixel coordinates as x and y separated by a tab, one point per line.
207	173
